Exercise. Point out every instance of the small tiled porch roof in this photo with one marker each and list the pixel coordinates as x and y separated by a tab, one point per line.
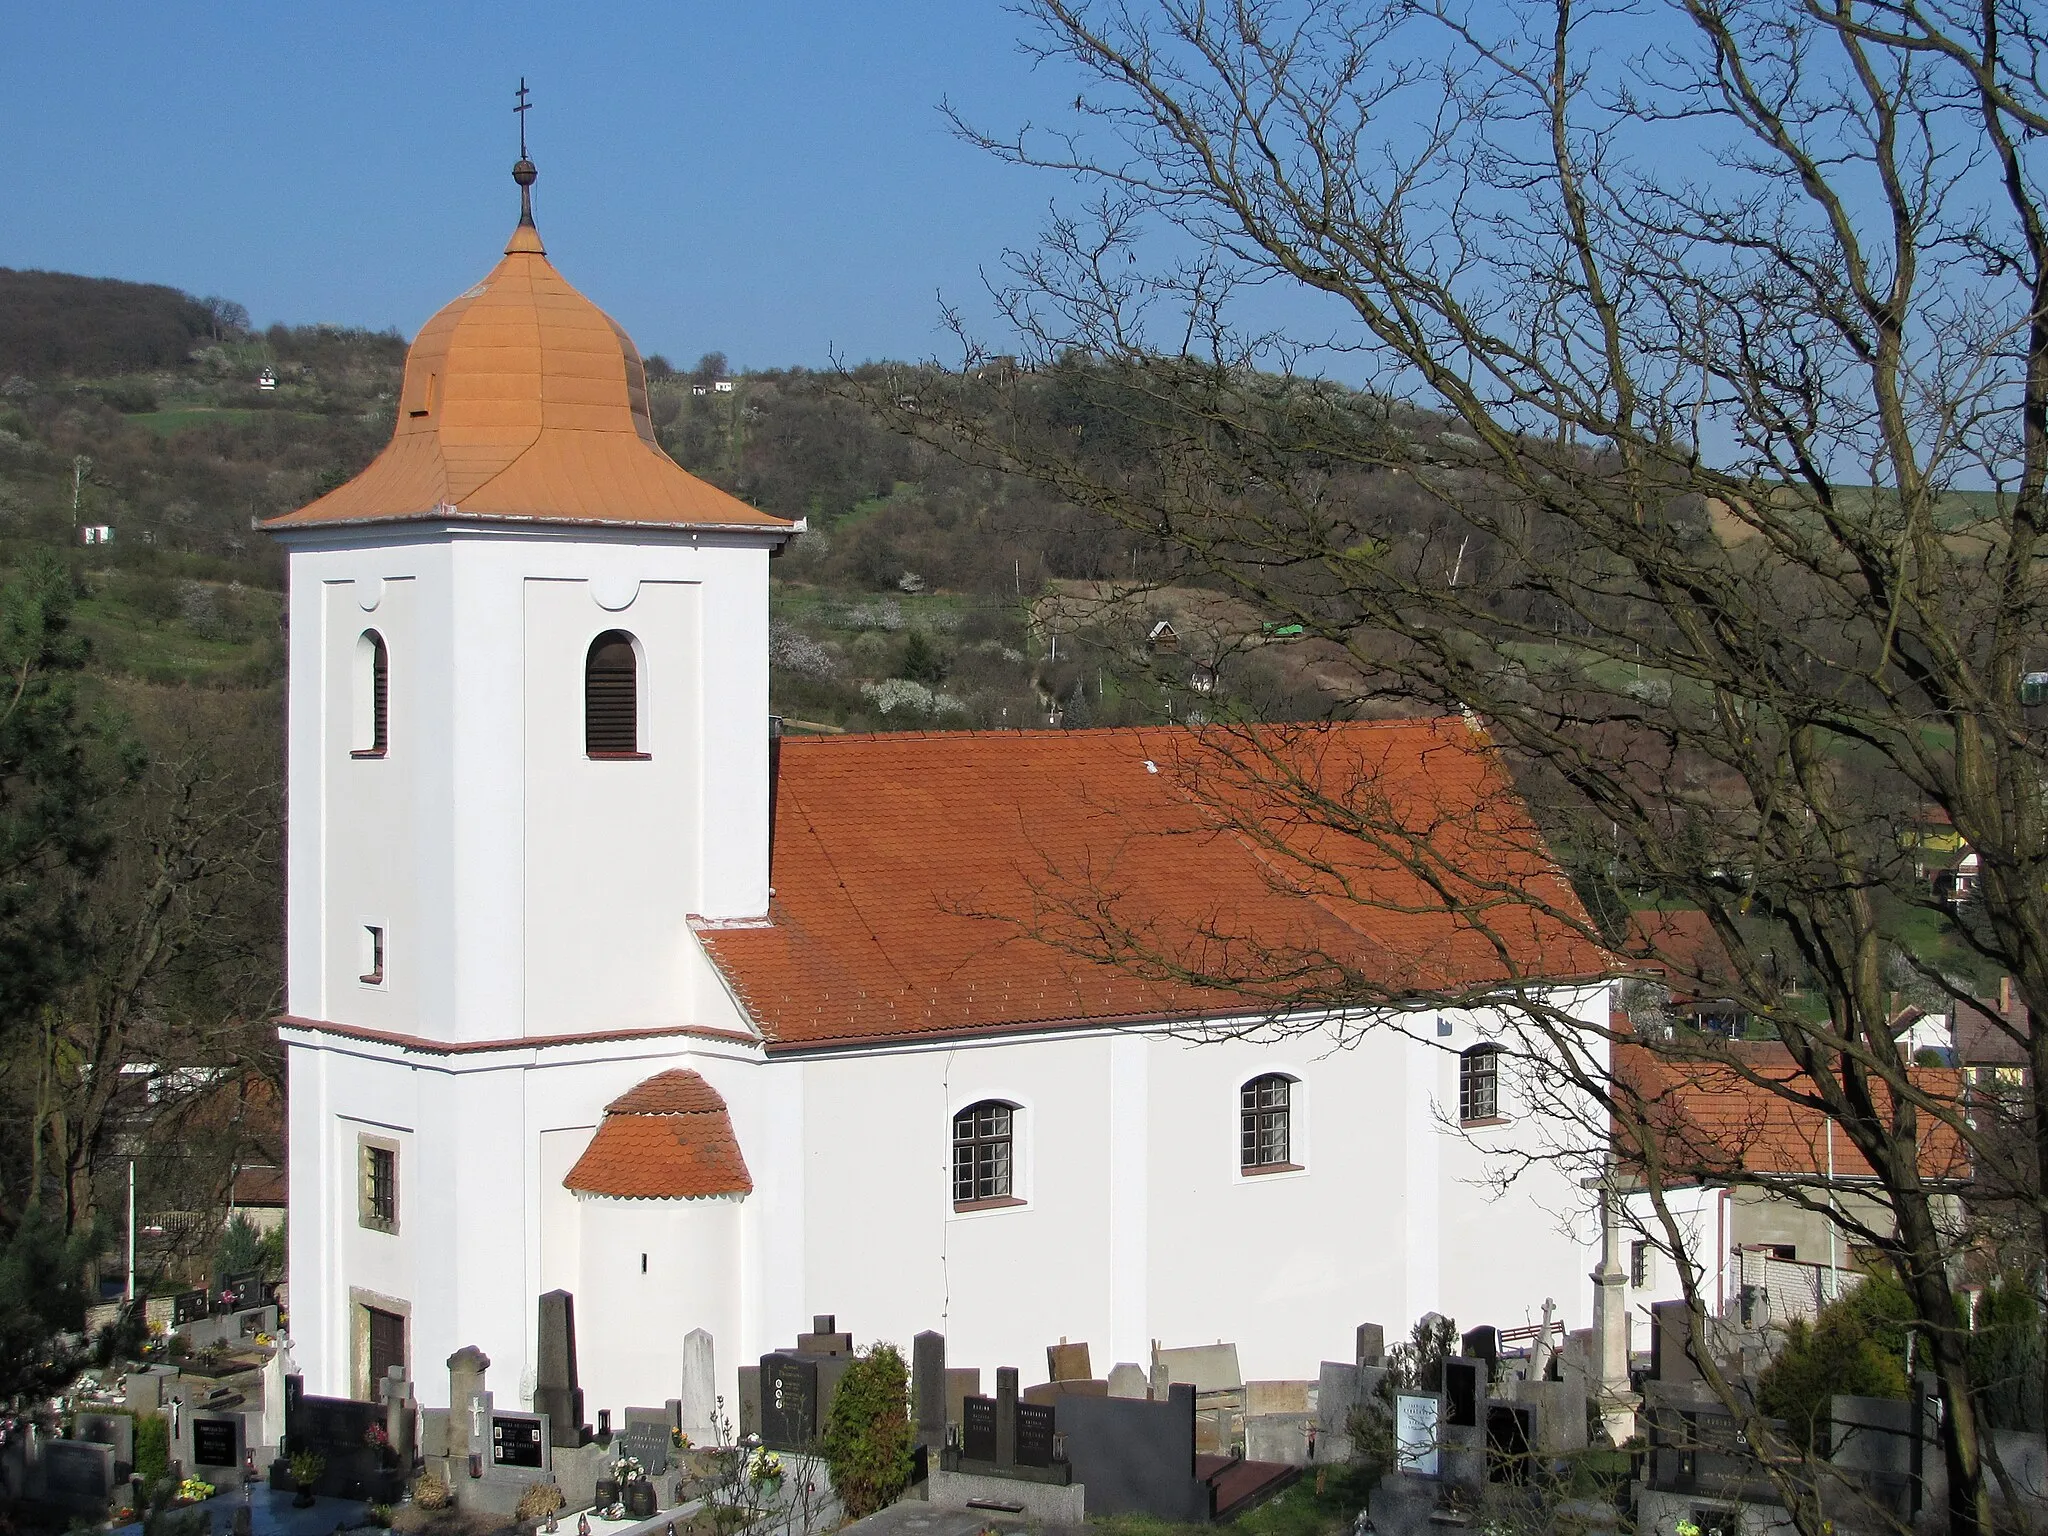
669	1138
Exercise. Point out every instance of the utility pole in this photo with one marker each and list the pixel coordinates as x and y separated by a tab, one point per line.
80	468
131	1229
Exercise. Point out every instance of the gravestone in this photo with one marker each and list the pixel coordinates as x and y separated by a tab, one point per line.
1671	1339
468	1369
396	1394
216	1442
699	1402
556	1392
1127	1380
978	1429
824	1338
962	1382
1483	1343
116	1431
644	1437
1417	1416
1136	1456
1067	1362
241	1292
190	1307
1339	1389
147	1385
1034	1435
789	1402
337	1429
77	1475
1371	1348
1464	1392
519	1443
928	1388
1006	1415
1510	1435
750	1400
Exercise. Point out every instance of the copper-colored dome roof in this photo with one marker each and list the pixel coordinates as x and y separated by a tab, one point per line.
523	400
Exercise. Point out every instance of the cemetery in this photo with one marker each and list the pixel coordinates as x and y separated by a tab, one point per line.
1444	1427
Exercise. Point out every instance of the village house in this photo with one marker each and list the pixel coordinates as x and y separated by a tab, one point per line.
597	983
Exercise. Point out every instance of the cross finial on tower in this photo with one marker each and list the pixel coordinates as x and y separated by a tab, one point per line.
524	172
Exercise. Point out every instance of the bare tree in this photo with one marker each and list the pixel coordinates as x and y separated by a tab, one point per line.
1700	453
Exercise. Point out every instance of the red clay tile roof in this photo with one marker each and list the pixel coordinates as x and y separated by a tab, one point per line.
1714	1122
973	882
670	1138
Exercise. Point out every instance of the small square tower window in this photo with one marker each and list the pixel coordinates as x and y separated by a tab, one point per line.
373	956
378	1209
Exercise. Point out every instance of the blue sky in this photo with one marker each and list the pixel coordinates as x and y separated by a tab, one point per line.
771	179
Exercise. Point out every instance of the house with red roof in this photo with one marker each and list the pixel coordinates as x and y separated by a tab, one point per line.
598	983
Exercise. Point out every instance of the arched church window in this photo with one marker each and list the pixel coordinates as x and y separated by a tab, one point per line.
372	695
1266	1123
611	697
983	1153
1479	1084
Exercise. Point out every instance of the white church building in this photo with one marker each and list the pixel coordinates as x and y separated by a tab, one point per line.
595	983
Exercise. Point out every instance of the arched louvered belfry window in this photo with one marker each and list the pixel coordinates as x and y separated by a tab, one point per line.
373	696
611	697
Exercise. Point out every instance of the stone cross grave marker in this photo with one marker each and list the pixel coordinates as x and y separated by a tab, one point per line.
396	1393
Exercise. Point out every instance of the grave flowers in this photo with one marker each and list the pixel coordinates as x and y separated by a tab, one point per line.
307	1467
378	1439
764	1469
194	1490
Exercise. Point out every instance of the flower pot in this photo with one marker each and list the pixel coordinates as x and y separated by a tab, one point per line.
640	1499
305	1498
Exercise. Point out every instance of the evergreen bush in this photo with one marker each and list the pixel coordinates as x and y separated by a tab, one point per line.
1855	1346
152	1447
867	1438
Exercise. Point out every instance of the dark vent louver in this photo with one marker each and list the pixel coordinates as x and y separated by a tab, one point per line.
380	692
611	698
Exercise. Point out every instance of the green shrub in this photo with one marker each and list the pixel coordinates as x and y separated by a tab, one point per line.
2005	1355
152	1447
1855	1346
867	1438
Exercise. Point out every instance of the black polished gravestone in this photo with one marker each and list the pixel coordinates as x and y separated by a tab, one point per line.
516	1440
978	1428
1034	1434
338	1430
240	1292
190	1307
1461	1393
789	1403
216	1442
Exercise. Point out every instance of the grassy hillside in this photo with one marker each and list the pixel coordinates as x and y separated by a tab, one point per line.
909	604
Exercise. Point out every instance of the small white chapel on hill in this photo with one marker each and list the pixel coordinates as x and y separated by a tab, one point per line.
596	983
